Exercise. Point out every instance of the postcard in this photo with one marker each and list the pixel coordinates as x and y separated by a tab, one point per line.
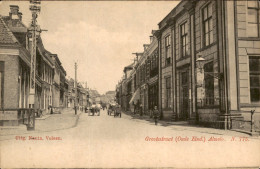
130	84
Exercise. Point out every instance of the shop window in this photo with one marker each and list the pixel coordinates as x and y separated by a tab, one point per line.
168	92
254	68
253	18
184	40
207	25
209	84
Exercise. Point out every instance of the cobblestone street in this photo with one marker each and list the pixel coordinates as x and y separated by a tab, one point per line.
126	142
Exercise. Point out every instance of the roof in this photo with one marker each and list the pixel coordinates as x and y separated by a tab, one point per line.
93	93
129	67
6	36
111	92
43	52
169	14
15	25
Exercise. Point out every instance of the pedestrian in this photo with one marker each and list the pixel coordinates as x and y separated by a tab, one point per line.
156	114
51	109
138	106
134	107
151	112
141	109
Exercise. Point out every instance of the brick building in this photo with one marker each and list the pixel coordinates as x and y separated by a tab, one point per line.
58	83
14	66
44	78
153	72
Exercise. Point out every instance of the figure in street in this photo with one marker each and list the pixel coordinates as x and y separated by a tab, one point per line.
141	109
156	114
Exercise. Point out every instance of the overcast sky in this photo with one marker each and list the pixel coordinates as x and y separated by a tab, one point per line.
99	36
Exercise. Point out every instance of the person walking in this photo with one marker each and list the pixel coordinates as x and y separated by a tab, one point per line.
156	114
134	107
141	109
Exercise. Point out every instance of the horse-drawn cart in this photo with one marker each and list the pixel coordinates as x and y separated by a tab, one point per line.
117	112
114	110
94	110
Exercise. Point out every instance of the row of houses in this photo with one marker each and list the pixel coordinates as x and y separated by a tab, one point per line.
52	88
202	65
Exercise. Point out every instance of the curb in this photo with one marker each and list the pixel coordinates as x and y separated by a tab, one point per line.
12	127
162	122
36	131
43	117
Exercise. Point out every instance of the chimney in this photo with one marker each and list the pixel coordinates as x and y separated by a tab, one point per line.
86	85
146	46
14	12
153	31
151	39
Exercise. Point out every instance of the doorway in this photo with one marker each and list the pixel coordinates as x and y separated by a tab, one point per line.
184	96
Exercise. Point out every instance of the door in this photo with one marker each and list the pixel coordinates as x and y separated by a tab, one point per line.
184	113
185	102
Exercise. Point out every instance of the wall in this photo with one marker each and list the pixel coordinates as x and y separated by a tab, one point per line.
166	72
209	53
246	46
11	88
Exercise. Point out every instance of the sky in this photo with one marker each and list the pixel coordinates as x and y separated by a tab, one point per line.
99	35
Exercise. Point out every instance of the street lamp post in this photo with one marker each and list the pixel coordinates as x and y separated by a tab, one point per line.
220	76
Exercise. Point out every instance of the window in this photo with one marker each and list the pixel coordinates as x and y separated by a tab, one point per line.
167	50
1	84
184	40
254	68
207	24
153	96
168	92
154	64
253	18
209	84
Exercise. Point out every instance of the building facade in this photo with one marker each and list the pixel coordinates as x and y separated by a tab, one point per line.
15	71
14	66
218	32
208	63
153	72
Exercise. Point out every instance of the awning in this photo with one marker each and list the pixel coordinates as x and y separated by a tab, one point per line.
135	97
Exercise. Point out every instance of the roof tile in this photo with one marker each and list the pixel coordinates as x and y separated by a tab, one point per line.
6	35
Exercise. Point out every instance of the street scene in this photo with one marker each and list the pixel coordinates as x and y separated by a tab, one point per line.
130	84
98	141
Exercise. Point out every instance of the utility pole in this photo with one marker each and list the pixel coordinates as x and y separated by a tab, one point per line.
33	33
76	88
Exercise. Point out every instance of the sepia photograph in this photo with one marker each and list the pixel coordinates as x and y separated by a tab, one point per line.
130	84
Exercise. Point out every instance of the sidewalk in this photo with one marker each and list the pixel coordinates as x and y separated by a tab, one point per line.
184	125
48	122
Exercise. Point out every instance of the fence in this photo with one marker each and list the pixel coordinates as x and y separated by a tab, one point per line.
238	122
